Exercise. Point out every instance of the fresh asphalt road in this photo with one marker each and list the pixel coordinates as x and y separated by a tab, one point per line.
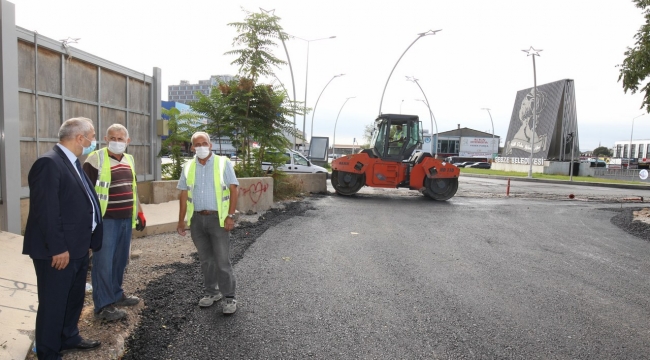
391	274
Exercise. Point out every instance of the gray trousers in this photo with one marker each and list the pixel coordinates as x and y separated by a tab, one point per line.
213	245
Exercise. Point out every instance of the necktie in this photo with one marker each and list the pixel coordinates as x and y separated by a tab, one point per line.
90	193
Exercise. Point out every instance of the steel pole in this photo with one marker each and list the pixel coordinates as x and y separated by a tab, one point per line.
311	135
304	116
430	32
532	138
629	151
433	119
572	134
336	122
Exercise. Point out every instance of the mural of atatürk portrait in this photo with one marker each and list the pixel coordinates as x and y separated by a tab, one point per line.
521	139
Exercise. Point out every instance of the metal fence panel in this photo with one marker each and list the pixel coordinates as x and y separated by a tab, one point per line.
43	84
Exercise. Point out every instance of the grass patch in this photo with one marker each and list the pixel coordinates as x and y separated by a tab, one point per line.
549	177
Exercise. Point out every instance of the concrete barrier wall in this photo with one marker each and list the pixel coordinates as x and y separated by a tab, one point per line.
556	168
517	167
164	191
310	183
255	194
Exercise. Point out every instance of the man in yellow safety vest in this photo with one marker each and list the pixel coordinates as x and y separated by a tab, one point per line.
208	200
113	173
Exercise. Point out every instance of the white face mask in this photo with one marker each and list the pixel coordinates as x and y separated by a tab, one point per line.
116	147
202	152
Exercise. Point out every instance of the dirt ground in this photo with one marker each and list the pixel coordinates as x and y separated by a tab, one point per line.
154	251
154	256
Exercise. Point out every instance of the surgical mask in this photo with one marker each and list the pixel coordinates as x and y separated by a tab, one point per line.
202	152
91	148
116	147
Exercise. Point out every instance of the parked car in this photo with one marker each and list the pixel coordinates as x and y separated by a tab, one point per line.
465	164
480	165
295	163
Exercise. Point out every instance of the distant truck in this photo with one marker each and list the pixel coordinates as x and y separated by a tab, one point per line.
295	163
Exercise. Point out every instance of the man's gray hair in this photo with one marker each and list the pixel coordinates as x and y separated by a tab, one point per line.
118	127
75	126
200	133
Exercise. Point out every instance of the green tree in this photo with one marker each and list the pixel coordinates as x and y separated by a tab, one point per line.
181	127
257	34
253	111
602	151
636	66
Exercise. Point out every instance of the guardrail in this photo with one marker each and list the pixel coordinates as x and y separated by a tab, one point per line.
619	174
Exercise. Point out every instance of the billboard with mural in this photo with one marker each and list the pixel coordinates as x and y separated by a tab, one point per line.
552	135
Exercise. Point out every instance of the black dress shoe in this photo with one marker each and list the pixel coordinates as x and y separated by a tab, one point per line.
83	345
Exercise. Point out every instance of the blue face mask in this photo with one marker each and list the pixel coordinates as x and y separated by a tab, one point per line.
91	148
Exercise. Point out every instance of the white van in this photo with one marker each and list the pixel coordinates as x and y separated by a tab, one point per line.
296	163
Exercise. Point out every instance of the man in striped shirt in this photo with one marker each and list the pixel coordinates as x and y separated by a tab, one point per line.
113	172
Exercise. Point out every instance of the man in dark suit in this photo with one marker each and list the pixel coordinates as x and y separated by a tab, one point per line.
64	222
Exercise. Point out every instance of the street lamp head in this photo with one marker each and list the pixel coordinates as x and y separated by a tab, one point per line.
308	41
339	75
532	51
270	12
639	116
412	79
430	32
485	109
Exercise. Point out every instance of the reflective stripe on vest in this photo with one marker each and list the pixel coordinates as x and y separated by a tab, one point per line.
221	190
103	183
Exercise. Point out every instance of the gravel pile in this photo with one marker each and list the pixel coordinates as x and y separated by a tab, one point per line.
624	220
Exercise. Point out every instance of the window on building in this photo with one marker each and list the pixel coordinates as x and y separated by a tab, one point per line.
640	154
625	150
619	151
647	151
632	151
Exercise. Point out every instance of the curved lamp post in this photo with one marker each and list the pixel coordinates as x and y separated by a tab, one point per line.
488	110
314	112
293	83
430	32
400	106
433	119
304	116
630	149
337	120
532	52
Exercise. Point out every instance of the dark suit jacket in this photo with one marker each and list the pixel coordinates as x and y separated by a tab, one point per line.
60	211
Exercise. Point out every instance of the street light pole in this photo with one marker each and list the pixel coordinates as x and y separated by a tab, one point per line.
433	119
630	149
337	120
532	52
293	83
314	112
430	32
492	122
304	117
400	106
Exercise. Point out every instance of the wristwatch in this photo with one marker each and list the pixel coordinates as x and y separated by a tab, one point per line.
232	216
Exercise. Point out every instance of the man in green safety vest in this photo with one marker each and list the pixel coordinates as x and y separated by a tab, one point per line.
113	173
208	200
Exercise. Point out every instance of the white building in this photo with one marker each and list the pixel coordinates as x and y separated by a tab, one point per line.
186	92
640	150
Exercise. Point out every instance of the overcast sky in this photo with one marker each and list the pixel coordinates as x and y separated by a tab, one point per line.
474	62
